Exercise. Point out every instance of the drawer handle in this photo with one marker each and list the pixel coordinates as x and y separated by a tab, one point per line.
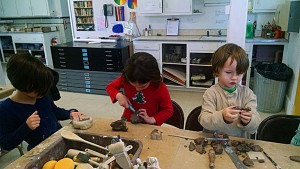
107	51
61	53
109	64
109	68
60	49
64	88
109	56
107	60
62	58
86	74
64	84
61	62
63	66
87	78
63	73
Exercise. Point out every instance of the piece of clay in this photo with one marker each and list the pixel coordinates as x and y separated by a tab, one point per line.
242	108
243	147
119	125
248	162
192	146
198	141
134	119
83	124
218	148
200	149
295	158
235	143
256	148
156	135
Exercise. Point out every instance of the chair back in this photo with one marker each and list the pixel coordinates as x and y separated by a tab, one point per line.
278	128
177	119
192	120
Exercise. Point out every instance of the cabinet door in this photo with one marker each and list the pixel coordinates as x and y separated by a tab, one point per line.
177	7
24	8
40	8
150	6
9	8
266	5
1	9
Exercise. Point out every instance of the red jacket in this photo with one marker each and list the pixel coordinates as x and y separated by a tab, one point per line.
156	100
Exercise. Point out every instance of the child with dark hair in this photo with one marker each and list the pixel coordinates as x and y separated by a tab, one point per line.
228	107
28	114
143	89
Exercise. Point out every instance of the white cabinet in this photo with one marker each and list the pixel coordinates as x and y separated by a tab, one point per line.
150	6
38	44
9	8
165	7
34	8
1	9
177	7
152	48
266	5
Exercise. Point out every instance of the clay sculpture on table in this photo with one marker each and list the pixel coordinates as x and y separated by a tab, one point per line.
134	119
156	135
119	125
83	124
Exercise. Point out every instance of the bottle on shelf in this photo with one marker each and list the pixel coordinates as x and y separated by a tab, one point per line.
249	30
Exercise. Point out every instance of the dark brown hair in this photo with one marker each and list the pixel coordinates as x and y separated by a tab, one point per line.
232	51
28	74
142	68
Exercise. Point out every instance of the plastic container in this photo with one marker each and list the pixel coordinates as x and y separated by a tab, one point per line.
270	82
249	30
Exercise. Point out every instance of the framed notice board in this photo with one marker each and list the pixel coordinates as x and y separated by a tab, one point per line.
172	26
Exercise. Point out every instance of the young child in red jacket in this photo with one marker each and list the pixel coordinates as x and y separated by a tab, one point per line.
143	88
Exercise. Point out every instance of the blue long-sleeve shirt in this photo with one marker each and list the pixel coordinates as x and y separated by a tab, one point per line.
13	127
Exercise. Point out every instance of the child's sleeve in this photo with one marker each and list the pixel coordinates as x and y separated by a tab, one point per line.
114	87
250	101
165	104
209	118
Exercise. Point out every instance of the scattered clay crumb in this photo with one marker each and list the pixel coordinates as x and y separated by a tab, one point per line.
119	125
192	146
83	124
156	135
248	162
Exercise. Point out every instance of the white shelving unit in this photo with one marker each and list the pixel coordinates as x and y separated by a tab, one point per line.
36	43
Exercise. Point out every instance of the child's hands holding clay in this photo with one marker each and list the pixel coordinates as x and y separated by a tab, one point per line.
230	114
143	114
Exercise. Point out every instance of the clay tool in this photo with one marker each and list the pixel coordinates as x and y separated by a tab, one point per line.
234	158
207	138
73	152
86	159
104	165
212	157
72	136
272	161
119	152
94	153
133	110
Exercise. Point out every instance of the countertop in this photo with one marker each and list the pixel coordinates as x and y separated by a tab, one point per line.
118	44
172	152
197	38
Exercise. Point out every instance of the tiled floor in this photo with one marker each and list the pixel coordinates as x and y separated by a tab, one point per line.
101	106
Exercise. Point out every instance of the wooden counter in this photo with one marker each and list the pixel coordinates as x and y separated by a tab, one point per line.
172	152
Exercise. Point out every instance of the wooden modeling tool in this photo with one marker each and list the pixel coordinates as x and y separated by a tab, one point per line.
272	161
97	154
119	151
212	157
206	138
72	136
86	159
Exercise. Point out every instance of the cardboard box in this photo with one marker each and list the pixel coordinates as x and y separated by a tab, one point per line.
42	29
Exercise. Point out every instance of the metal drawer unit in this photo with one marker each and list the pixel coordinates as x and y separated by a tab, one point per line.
85	81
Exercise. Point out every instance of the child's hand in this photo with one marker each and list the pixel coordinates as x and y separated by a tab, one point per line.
245	117
122	99
33	121
77	116
143	114
230	114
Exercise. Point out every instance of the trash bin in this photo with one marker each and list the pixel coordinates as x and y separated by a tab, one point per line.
270	82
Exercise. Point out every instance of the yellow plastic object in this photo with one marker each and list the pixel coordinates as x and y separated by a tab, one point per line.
49	164
65	163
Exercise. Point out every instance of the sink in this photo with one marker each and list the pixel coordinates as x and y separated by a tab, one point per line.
214	38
